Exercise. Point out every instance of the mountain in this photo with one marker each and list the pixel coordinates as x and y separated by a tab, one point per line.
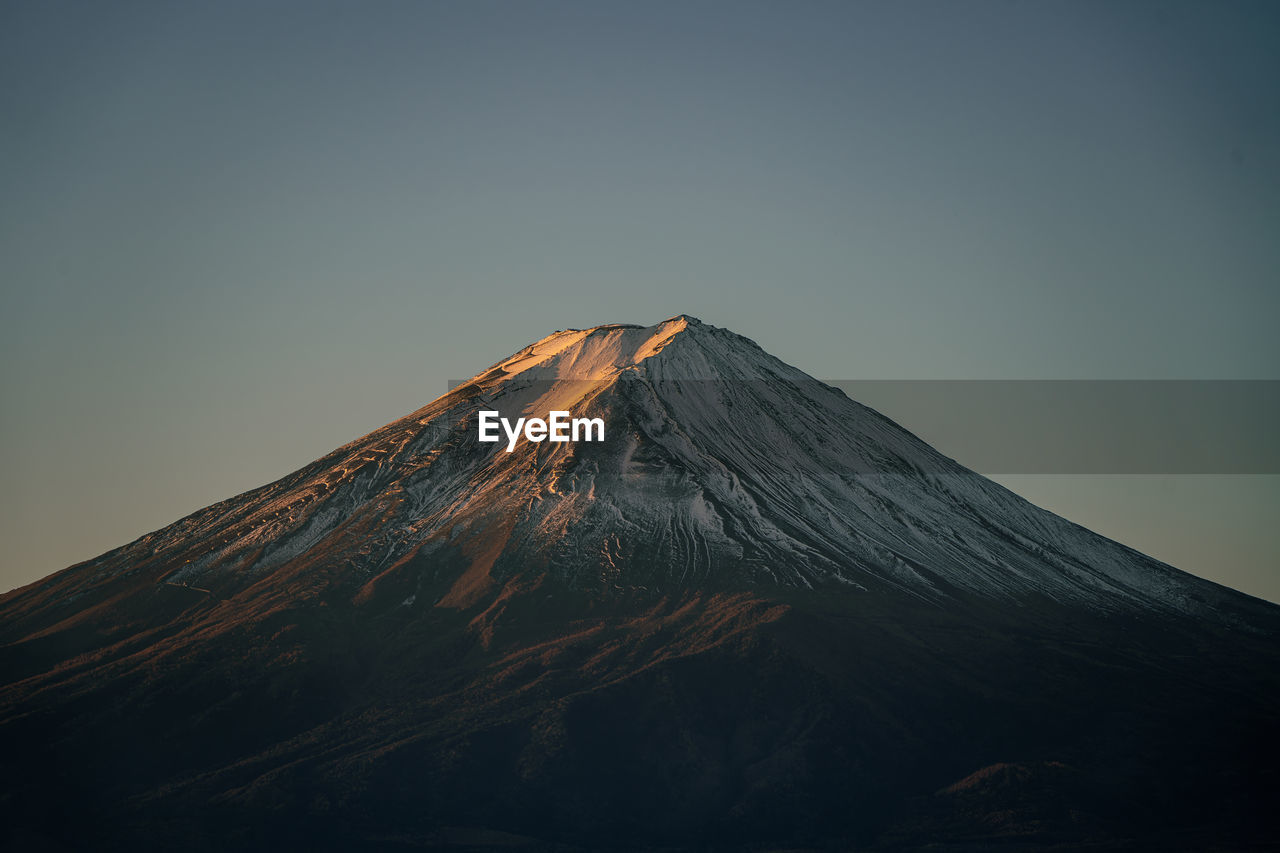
754	612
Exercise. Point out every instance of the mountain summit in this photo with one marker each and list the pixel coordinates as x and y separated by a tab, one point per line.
722	467
756	611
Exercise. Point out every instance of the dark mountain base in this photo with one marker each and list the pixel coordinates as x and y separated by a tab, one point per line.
541	718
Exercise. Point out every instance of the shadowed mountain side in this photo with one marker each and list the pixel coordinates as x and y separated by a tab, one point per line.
710	718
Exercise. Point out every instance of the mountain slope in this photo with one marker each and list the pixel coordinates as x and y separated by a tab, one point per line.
721	465
756	610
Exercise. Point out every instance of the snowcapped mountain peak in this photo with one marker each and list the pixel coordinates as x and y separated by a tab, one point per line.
600	352
721	466
678	348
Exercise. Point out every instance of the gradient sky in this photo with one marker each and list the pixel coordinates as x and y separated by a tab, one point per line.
235	235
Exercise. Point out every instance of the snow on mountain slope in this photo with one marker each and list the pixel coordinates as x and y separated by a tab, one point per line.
721	465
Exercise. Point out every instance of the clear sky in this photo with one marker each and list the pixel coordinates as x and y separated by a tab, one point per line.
235	235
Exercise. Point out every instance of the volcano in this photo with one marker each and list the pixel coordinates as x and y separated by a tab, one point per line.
755	614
